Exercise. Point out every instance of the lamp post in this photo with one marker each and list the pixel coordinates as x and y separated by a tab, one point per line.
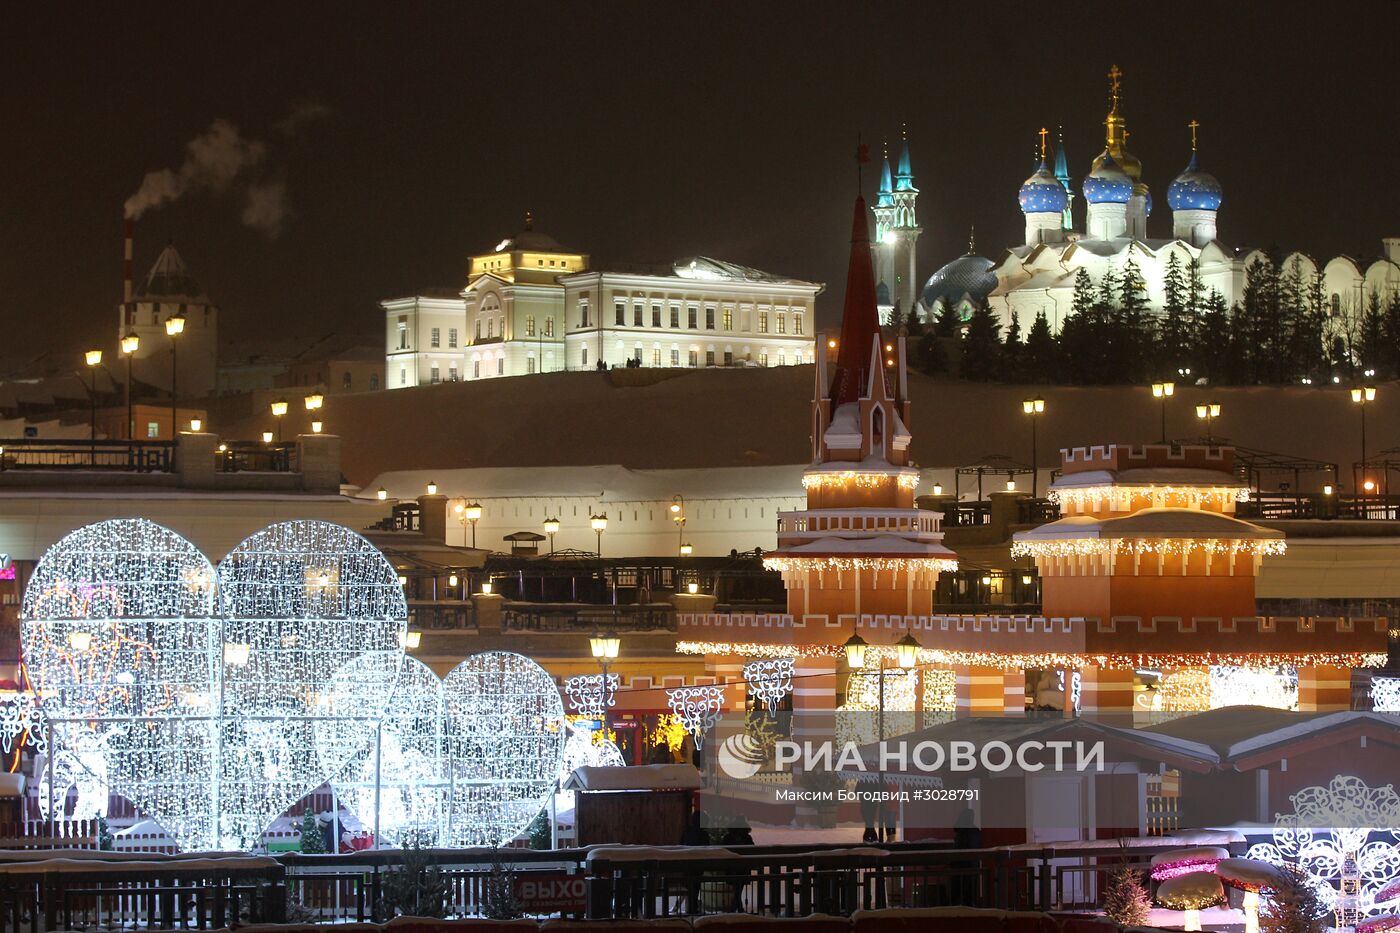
174	327
907	658
94	360
1363	396
279	411
129	345
467	512
599	524
1035	407
551	528
678	516
1163	391
605	648
1208	412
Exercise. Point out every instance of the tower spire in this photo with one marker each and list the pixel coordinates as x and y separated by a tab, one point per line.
860	322
972	240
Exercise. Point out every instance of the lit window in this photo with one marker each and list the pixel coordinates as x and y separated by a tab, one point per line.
675	357
690	316
490	328
637	316
763	358
403	333
619	314
782	358
782	322
529	325
728	318
675	317
452	374
656	315
152	429
763	322
797	322
435	337
656	356
709	318
452	337
549	327
694	358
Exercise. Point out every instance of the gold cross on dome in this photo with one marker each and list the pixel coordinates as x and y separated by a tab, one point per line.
1193	124
1114	74
1043	133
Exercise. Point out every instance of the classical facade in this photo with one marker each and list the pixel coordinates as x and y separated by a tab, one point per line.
533	305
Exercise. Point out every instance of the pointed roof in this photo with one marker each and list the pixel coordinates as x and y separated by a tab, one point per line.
1061	162
169	279
905	174
860	322
886	186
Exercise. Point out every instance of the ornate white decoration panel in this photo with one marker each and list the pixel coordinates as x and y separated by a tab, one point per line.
770	680
698	709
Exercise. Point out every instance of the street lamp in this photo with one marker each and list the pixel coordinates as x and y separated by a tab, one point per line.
279	410
551	528
381	494
314	401
599	524
1363	396
906	657
467	512
686	549
1163	391
605	649
174	327
678	516
1035	407
196	425
267	437
1209	411
94	360
432	487
129	345
316	427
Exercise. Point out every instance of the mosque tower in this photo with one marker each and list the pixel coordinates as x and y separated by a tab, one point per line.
1044	202
1062	176
897	231
1194	197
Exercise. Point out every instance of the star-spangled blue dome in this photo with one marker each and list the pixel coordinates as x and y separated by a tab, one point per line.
1108	184
969	275
1042	193
1194	190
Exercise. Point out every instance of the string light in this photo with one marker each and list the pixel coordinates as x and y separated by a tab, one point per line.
1016	662
1122	496
1173	547
697	708
787	563
1344	837
769	680
505	740
845	479
585	693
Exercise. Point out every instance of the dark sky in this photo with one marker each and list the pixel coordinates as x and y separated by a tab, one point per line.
643	133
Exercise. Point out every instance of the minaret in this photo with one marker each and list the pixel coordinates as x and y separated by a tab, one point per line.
1194	197
898	240
861	546
885	274
1062	176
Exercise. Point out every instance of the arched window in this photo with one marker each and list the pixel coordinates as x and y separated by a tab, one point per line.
877	431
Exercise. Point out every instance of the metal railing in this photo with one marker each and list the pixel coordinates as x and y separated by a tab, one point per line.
28	453
256	457
573	617
1301	505
439	616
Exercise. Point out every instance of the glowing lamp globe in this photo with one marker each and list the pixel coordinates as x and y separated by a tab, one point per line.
855	652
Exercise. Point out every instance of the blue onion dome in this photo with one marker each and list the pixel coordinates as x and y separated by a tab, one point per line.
969	276
1108	184
1042	193
1194	190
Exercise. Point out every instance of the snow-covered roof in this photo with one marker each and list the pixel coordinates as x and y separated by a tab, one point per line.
637	777
1236	731
1147	476
1150	523
882	545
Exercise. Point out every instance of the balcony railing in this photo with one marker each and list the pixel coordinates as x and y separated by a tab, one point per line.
1299	505
818	523
572	617
28	453
255	457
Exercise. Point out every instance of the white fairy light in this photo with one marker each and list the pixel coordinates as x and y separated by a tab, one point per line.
209	706
863	697
409	764
698	708
1344	836
22	722
1385	694
1275	687
1176	547
585	692
769	680
586	747
505	740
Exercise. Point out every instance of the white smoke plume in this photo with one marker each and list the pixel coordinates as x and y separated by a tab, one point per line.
221	159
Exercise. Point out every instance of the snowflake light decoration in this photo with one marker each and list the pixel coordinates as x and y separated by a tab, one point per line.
505	741
586	694
22	721
405	761
698	709
769	680
1344	836
1385	694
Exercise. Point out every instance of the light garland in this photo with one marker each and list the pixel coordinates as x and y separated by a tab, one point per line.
770	680
1015	662
697	708
588	747
1187	496
1344	837
1170	547
22	722
1379	924
209	707
940	692
1274	687
785	563
586	694
1385	696
408	767
854	722
505	744
848	478
1184	866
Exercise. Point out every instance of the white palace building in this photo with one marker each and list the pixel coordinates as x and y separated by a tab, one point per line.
532	305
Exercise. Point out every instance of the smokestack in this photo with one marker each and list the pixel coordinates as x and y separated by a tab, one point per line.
129	229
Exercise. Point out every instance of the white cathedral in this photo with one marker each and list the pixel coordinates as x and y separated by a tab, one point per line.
1037	277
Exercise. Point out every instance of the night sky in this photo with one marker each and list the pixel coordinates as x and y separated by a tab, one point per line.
641	134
